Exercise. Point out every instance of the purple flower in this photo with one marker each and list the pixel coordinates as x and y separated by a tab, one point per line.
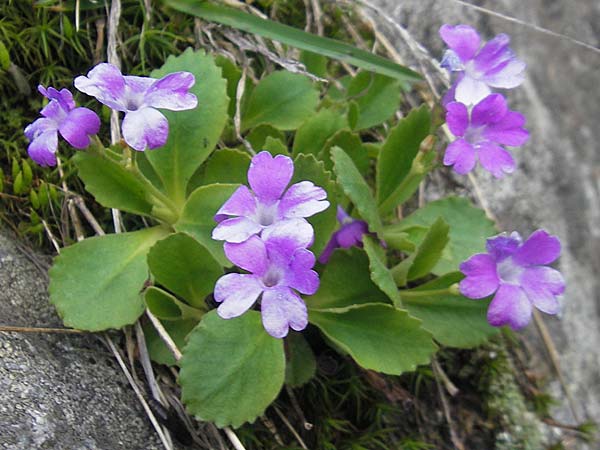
492	66
349	235
139	97
279	265
248	212
516	272
59	116
481	133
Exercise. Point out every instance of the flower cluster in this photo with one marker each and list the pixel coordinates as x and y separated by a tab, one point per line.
144	127
479	119
266	234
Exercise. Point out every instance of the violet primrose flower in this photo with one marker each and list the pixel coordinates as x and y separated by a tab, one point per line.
279	265
516	272
349	235
249	212
492	66
140	98
481	132
60	115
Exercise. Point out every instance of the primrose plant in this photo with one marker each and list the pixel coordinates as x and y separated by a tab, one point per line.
251	241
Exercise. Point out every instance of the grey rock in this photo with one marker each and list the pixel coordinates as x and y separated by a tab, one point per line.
557	184
58	391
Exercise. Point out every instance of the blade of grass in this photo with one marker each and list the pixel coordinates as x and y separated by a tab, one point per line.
294	37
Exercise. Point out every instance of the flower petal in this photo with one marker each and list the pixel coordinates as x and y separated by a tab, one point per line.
503	246
145	128
510	76
463	39
350	234
457	118
328	250
510	306
481	276
43	148
282	309
38	127
542	285
508	131
299	275
493	53
172	92
236	293
268	176
291	233
78	126
303	199
471	91
106	83
495	159
235	230
250	255
461	155
540	248
241	203
489	110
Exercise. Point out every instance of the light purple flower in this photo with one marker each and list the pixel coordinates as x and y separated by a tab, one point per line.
139	97
517	273
481	133
492	66
279	265
349	235
60	115
249	212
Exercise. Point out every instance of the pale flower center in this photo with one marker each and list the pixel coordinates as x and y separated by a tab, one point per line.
474	135
272	277
509	272
266	214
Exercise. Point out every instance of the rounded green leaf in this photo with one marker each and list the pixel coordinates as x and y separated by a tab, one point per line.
301	364
167	307
231	370
379	337
197	218
96	284
281	99
182	265
316	130
177	329
377	97
226	166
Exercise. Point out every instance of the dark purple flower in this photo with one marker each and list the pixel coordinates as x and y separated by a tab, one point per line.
60	115
516	272
249	212
279	265
349	235
481	133
492	66
139	97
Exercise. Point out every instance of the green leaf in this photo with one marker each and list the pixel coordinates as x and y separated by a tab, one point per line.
232	74
430	250
379	337
231	370
294	37
301	365
182	265
4	57
158	350
454	320
380	274
397	155
283	100
96	283
197	218
193	134
353	114
352	145
345	281
356	188
258	136
166	307
111	184
314	63
377	97
275	146
316	130
306	167
469	228
226	166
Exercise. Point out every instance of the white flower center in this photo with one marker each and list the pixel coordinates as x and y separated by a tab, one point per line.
474	135
272	277
266	214
509	272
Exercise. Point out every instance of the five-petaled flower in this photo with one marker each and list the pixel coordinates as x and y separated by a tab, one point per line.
349	235
140	98
60	115
249	212
479	69
481	132
517	273
279	265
